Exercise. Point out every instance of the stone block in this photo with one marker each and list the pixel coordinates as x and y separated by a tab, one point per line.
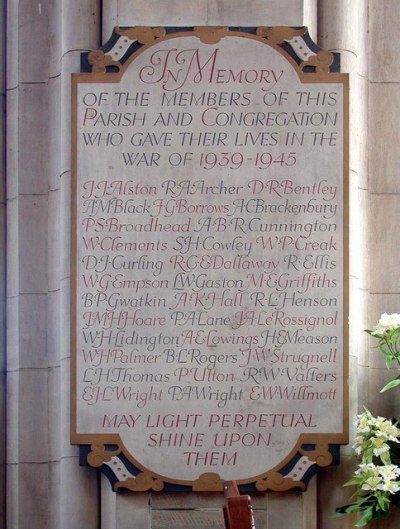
353	404
289	503
12	453
310	17
67	450
133	511
65	226
108	504
32	238
54	240
362	42
358	248
309	505
384	244
180	519
33	138
81	25
3	491
384	130
12	45
12	144
13	333
3	28
358	338
358	128
12	248
342	27
32	340
55	29
33	420
255	13
110	17
70	64
33	52
54	146
162	13
2	253
383	35
54	415
54	326
3	153
55	485
33	500
338	25
64	345
183	500
78	498
12	499
363	388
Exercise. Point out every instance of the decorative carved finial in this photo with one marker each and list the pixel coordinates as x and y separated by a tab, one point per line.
209	481
322	61
99	455
211	34
99	61
140	483
142	34
320	455
279	34
278	483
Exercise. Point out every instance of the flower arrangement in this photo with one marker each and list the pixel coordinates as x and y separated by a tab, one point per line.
388	334
377	442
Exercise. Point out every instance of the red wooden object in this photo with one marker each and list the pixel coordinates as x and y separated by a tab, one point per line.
238	513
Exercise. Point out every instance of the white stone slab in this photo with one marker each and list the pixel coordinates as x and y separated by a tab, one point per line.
205	145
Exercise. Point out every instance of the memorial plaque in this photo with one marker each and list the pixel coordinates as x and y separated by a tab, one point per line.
209	257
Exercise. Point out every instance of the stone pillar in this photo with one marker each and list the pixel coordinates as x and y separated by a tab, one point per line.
384	196
2	264
46	487
342	27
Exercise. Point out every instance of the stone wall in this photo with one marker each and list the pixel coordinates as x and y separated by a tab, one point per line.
46	488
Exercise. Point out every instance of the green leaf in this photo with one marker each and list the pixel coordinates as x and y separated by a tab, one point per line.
365	518
383	503
388	360
392	384
353	481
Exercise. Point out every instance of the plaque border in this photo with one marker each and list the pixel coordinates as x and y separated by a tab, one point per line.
107	452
